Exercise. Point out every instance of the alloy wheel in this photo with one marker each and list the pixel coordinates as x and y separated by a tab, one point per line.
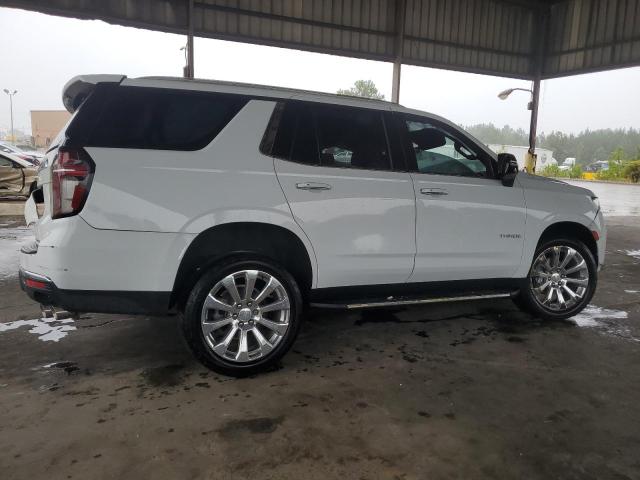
245	316
559	278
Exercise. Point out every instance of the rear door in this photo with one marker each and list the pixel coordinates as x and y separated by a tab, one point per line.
468	225
342	185
11	176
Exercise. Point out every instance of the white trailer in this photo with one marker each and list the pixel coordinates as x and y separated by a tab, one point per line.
545	157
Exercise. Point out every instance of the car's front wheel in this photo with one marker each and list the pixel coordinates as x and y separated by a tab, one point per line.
242	316
561	281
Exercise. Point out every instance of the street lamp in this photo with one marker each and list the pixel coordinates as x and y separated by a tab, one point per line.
11	94
530	161
505	93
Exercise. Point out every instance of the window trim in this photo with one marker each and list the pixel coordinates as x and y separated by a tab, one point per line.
270	133
456	133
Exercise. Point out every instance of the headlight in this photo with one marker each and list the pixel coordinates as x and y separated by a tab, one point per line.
596	202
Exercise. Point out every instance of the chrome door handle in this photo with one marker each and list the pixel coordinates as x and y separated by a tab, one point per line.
434	192
313	186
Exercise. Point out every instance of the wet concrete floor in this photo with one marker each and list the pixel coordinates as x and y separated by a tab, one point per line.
476	390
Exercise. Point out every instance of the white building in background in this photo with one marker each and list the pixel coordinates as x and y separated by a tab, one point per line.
545	157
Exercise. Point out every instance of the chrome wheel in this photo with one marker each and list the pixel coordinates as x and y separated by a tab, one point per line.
559	278
245	315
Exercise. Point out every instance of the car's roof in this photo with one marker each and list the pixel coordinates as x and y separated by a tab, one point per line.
254	89
80	84
9	145
16	159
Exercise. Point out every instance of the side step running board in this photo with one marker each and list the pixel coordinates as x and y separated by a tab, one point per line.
393	302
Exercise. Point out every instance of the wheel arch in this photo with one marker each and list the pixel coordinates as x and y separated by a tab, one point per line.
569	229
231	239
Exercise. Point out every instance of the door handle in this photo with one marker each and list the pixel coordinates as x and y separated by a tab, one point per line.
313	186
434	192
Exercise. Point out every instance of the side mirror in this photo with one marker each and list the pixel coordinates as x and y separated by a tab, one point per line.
507	168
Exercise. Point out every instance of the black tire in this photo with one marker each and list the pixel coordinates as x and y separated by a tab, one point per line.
526	299
192	316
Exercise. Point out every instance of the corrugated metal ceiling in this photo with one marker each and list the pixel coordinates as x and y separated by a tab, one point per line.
514	38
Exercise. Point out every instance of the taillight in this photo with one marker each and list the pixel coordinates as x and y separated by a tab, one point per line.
71	175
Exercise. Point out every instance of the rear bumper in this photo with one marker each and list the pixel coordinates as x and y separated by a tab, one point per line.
43	290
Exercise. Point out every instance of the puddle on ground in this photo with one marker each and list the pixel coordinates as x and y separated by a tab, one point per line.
11	239
47	329
67	367
604	320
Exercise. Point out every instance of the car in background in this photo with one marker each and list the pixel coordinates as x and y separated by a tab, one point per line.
568	164
31	156
599	166
18	177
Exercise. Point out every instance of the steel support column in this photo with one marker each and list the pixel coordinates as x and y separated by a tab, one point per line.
395	82
397	63
189	69
543	25
533	126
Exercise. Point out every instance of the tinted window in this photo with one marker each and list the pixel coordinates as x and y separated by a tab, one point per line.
352	137
438	151
296	137
5	162
332	136
160	119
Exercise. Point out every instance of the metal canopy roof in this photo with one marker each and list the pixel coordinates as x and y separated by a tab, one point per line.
526	39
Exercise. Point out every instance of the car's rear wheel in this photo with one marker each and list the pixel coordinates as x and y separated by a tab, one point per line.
561	281
242	316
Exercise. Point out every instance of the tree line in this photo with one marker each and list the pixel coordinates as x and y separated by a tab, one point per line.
620	146
587	146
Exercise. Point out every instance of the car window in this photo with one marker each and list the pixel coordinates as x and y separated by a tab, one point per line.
296	137
5	162
440	152
352	137
331	136
162	119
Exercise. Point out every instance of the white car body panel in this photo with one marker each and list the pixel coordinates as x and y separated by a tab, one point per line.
473	231
552	201
76	256
361	228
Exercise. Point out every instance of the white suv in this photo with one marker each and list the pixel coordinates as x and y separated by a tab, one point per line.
239	205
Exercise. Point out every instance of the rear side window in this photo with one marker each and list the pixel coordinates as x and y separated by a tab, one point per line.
160	119
296	136
352	137
332	136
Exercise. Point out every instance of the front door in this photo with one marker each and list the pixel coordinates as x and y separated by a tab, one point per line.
468	225
337	174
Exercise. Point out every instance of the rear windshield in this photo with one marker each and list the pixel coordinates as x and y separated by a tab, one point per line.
153	118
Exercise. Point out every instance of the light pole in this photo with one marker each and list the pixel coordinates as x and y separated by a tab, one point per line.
11	94
530	161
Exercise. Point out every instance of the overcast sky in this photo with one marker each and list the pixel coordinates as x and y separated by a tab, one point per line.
41	52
